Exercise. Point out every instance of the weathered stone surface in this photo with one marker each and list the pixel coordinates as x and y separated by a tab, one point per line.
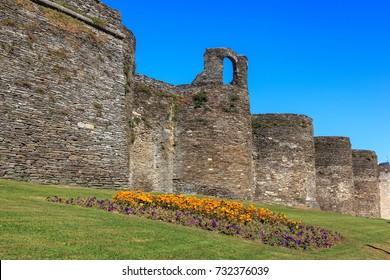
57	72
214	144
334	174
384	186
213	68
192	138
284	159
152	136
366	184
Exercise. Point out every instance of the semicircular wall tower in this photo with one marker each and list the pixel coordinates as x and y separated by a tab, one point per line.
66	69
334	174
366	184
213	150
284	159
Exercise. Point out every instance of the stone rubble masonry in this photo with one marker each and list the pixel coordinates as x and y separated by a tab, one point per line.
284	159
193	138
366	185
213	135
76	10
334	174
214	142
74	111
384	185
62	95
213	68
152	137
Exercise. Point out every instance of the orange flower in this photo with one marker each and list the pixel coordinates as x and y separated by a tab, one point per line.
229	210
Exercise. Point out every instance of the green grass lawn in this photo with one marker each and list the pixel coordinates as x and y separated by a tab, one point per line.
32	228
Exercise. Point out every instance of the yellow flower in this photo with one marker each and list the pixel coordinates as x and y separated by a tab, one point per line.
232	211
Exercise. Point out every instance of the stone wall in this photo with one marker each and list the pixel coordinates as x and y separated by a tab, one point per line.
214	142
152	136
213	151
384	186
366	184
334	174
75	112
100	13
284	159
62	94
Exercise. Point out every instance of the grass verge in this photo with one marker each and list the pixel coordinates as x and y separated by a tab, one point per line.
32	228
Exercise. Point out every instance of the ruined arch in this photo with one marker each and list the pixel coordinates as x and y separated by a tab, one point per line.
213	68
229	67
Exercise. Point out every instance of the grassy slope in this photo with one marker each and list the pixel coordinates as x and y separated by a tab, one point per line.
31	228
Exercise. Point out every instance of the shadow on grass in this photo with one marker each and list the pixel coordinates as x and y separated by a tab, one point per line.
377	248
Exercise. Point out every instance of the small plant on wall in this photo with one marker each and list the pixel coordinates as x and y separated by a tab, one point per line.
200	99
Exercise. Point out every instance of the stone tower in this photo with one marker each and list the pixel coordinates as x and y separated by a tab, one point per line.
334	174
214	140
366	184
65	77
284	159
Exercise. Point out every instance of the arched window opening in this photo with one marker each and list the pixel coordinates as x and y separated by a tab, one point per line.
228	71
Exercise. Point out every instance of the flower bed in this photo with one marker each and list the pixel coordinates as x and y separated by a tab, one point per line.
225	217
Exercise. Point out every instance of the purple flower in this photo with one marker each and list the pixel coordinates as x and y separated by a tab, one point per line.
262	232
213	223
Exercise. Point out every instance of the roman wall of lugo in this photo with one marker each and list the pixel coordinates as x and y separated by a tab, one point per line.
73	110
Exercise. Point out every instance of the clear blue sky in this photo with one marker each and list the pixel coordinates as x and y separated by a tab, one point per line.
328	59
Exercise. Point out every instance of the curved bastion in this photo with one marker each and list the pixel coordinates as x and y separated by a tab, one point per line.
284	159
366	185
334	174
64	83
